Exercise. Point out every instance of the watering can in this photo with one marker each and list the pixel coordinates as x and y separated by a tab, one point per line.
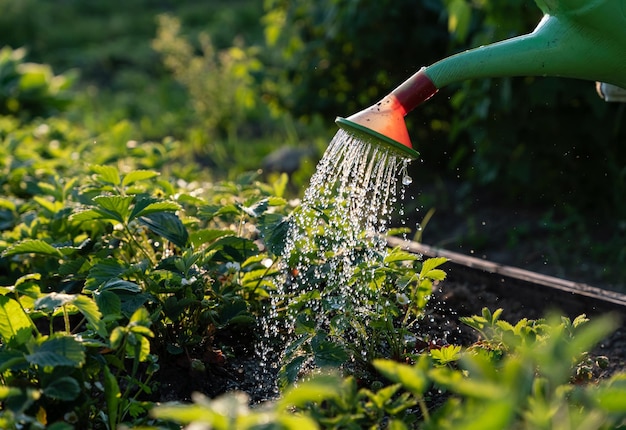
581	39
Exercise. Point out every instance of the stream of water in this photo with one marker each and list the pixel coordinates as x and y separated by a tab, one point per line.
338	228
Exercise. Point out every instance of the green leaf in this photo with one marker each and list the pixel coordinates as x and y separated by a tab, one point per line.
413	378
108	302
15	325
399	255
88	307
103	271
315	390
274	229
431	264
120	285
58	350
107	174
447	354
459	18
138	175
112	396
256	209
52	301
436	275
118	207
201	237
327	353
64	389
32	246
155	207
89	215
168	226
233	248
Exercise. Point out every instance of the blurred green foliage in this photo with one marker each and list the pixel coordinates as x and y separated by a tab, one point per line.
259	75
28	89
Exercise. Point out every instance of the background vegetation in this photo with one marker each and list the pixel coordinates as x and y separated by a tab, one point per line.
236	80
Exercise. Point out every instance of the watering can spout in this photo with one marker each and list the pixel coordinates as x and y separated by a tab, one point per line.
581	39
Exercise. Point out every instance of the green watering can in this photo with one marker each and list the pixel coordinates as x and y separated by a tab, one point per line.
582	39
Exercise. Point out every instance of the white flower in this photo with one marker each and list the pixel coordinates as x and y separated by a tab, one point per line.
232	267
189	281
402	299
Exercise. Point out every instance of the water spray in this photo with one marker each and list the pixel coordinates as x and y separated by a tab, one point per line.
580	39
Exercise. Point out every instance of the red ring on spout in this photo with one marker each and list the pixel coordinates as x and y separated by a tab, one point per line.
414	91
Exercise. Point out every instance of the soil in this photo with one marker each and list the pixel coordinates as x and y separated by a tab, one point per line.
545	238
232	363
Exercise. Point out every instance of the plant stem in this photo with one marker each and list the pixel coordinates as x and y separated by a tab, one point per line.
66	320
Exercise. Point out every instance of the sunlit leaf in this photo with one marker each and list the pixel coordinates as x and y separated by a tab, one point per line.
316	389
32	246
206	236
88	307
412	377
255	209
431	264
138	175
106	174
159	206
15	326
117	206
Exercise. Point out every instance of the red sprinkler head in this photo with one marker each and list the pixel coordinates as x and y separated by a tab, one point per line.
383	123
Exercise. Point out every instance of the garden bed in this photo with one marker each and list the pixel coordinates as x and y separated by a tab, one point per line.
472	284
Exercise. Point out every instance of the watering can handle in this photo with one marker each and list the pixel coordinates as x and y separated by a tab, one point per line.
611	93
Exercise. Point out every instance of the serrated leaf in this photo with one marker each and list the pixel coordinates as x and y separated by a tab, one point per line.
64	389
159	206
233	248
92	314
108	302
103	271
256	209
15	326
32	246
168	226
314	390
58	350
411	376
436	275
120	284
138	175
432	263
106	174
274	229
202	237
399	255
229	209
52	301
89	215
117	206
51	206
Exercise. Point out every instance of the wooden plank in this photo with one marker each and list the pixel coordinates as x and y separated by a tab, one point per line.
526	276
